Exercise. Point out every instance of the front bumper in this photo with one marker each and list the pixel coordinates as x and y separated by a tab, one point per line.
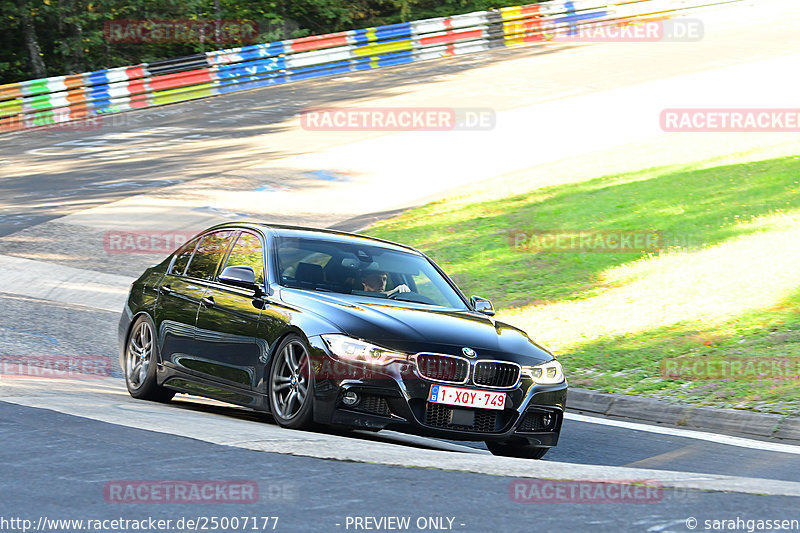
395	398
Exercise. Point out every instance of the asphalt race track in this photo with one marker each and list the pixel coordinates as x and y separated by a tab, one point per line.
241	156
307	494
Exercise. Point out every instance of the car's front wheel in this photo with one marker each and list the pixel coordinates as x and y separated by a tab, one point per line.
521	448
291	384
141	360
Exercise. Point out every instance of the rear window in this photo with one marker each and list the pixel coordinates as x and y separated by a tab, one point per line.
208	254
182	258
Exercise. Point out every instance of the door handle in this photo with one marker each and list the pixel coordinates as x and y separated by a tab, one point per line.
165	289
208	302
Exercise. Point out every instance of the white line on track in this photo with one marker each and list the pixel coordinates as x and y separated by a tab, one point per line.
106	400
690	434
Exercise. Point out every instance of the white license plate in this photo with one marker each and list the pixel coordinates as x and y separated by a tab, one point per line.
467	397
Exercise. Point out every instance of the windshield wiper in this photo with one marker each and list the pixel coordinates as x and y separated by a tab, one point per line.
412	301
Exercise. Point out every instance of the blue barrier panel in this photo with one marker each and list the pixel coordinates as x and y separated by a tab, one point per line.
396	59
328	70
238	85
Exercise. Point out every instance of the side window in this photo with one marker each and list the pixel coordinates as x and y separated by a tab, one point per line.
182	257
248	252
208	255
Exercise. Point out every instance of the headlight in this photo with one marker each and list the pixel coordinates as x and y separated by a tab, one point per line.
349	349
549	373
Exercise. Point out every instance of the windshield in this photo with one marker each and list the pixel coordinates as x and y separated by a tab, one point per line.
362	269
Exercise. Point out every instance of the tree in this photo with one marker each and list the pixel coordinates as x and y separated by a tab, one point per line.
25	15
38	37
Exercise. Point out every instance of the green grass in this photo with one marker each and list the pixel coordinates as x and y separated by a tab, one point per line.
691	207
634	363
725	284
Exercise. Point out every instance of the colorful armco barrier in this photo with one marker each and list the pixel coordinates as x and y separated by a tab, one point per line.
59	99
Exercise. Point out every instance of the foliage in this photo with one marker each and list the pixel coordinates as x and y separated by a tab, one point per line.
70	33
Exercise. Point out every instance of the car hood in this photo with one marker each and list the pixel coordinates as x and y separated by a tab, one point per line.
413	328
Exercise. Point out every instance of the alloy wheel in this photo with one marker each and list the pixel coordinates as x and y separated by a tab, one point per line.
139	355
290	380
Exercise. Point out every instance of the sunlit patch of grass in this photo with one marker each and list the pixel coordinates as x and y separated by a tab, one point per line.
634	363
690	207
705	287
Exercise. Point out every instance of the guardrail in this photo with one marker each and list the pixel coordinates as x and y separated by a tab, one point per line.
60	99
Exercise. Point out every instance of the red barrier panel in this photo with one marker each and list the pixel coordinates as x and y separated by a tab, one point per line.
451	37
316	42
180	79
11	123
135	72
138	90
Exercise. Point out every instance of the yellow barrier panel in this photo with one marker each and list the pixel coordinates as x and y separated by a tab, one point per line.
181	94
10	107
383	48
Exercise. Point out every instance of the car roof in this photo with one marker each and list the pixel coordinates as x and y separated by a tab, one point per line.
282	230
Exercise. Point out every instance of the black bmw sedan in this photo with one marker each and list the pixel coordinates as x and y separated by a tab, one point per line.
328	328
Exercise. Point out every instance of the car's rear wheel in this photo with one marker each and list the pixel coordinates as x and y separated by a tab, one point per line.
141	360
520	448
291	384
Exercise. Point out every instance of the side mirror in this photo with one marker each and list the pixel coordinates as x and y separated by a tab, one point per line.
482	305
239	276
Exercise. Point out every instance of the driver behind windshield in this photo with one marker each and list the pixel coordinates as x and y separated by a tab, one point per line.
374	280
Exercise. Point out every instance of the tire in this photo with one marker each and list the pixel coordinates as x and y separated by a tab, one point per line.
524	451
141	360
291	385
